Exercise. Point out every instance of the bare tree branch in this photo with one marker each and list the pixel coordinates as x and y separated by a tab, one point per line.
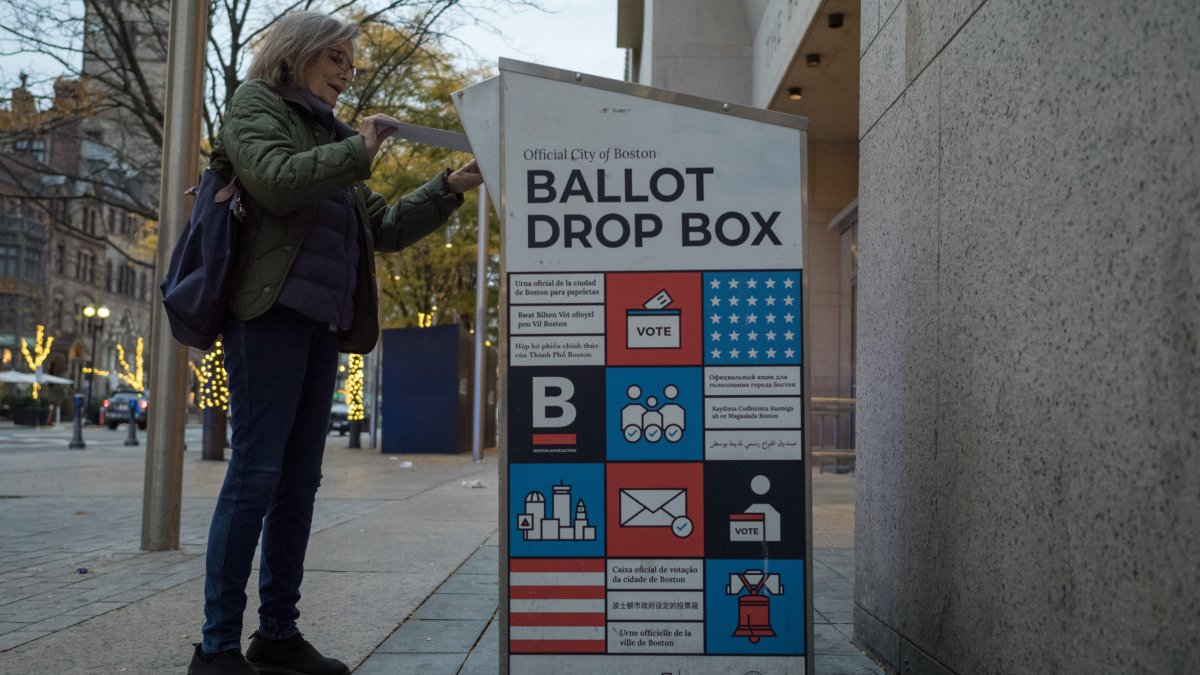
117	50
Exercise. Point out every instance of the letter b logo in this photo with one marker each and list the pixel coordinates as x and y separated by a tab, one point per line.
552	405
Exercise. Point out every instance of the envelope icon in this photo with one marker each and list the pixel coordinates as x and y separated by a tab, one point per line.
652	507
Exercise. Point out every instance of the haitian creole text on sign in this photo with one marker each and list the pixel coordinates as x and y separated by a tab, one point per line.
655	510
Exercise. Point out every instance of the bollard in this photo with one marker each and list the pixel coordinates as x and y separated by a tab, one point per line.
77	439
131	439
212	445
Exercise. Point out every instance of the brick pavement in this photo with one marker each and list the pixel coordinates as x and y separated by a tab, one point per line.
408	554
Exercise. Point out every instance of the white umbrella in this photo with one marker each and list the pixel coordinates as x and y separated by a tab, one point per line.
30	378
14	376
46	378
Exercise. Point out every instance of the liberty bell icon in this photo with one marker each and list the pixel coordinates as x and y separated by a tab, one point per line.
754	608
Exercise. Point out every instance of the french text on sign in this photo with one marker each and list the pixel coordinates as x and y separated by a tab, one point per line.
632	637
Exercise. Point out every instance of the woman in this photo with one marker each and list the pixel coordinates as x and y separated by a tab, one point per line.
303	290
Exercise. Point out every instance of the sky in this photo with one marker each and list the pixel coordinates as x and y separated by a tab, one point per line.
577	35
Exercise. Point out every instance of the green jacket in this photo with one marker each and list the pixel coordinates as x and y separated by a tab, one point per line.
287	163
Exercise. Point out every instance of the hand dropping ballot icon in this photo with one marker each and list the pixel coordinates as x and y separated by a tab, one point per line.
759	522
654	326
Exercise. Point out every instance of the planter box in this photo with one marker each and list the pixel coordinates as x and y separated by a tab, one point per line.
42	416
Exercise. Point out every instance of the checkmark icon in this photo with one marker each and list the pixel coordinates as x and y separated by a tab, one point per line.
653	434
681	527
674	434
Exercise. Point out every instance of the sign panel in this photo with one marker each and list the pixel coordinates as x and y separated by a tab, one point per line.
657	509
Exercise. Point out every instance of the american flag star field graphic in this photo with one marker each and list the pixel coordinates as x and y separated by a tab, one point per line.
752	318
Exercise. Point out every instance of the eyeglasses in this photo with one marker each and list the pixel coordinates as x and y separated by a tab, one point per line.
343	61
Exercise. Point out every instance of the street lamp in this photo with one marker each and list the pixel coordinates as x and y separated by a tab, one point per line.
95	323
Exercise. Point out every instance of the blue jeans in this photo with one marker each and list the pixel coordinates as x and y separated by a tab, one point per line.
282	369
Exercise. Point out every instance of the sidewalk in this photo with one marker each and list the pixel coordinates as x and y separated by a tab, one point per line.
401	570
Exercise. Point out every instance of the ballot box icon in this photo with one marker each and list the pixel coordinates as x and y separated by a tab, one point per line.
655	326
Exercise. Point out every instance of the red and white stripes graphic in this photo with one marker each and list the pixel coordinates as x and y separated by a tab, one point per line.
556	606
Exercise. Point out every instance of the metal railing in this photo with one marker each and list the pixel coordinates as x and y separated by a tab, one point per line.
833	433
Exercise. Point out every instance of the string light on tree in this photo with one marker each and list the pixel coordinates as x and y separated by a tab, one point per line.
214	381
354	389
41	350
132	377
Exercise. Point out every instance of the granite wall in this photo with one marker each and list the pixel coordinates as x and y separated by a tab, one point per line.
700	47
1029	310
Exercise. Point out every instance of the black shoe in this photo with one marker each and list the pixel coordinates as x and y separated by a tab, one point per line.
290	656
221	663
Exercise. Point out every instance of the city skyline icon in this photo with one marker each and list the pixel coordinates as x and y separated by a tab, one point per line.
561	524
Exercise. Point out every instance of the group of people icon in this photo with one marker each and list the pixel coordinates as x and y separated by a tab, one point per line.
652	422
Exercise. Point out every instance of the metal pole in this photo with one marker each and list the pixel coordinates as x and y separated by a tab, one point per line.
131	438
77	436
480	327
376	388
91	366
212	443
163	491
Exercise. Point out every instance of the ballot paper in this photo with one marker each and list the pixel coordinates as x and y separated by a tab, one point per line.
427	135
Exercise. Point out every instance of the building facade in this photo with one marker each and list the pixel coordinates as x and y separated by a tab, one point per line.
67	243
1004	250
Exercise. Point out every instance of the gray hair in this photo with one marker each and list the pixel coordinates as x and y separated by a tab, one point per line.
294	42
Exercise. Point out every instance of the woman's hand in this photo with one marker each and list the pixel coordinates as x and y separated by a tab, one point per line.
467	177
373	133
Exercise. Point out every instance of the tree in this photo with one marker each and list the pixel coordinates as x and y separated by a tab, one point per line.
433	281
117	49
114	52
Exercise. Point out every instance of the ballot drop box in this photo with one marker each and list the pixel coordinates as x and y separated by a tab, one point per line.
655	515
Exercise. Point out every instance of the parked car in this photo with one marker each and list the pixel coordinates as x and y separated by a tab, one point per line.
339	423
115	409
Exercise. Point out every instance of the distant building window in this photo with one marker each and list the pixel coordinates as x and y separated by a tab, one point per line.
60	254
33	264
35	147
85	266
10	261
